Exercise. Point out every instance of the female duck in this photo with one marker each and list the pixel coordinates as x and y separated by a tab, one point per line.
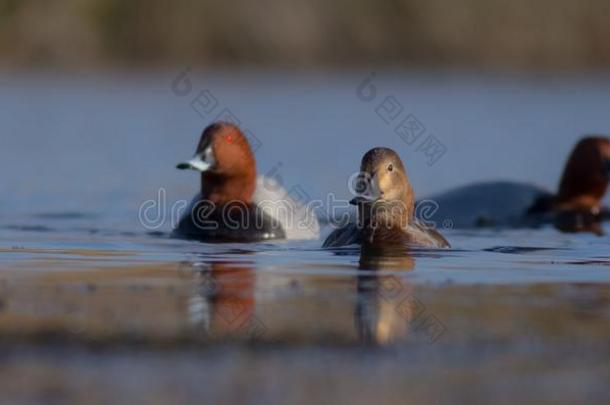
385	208
233	205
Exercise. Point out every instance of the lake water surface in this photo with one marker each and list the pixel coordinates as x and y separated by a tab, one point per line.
97	305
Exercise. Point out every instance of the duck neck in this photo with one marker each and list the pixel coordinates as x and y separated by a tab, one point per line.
222	189
584	180
583	195
396	214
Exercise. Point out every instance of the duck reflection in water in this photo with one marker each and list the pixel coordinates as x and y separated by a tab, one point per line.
387	310
375	305
224	304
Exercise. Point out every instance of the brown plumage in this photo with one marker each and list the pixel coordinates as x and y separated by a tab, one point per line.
385	208
577	205
234	174
224	211
585	177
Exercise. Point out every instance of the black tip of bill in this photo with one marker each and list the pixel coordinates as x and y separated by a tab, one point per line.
358	200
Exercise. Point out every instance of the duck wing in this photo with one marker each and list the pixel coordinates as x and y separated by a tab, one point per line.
344	236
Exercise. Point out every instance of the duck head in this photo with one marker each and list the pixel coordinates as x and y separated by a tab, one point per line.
384	191
585	178
226	163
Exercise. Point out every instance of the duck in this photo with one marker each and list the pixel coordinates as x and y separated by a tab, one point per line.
575	207
234	204
386	205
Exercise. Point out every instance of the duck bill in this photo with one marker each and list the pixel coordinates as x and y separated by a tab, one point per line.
196	163
371	194
361	199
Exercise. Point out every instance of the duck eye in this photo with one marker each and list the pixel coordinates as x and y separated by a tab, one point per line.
390	167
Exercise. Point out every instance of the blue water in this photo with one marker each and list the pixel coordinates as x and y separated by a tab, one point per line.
80	154
102	144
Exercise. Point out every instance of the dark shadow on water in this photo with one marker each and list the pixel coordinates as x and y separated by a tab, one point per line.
518	249
596	262
69	215
29	228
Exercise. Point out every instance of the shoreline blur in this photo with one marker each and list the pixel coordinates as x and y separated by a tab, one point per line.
473	34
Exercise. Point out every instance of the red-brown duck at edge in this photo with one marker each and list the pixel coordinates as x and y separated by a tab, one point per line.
576	207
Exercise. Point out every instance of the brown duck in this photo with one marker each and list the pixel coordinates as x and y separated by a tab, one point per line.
386	205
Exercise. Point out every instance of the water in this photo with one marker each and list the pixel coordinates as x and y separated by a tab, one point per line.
95	304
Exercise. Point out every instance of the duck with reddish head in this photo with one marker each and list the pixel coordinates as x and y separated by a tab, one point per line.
576	207
386	207
578	204
234	205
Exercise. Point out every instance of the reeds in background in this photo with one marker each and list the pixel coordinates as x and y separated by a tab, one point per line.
518	34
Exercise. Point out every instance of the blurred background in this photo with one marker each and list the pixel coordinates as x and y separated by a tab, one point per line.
100	99
88	92
519	34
